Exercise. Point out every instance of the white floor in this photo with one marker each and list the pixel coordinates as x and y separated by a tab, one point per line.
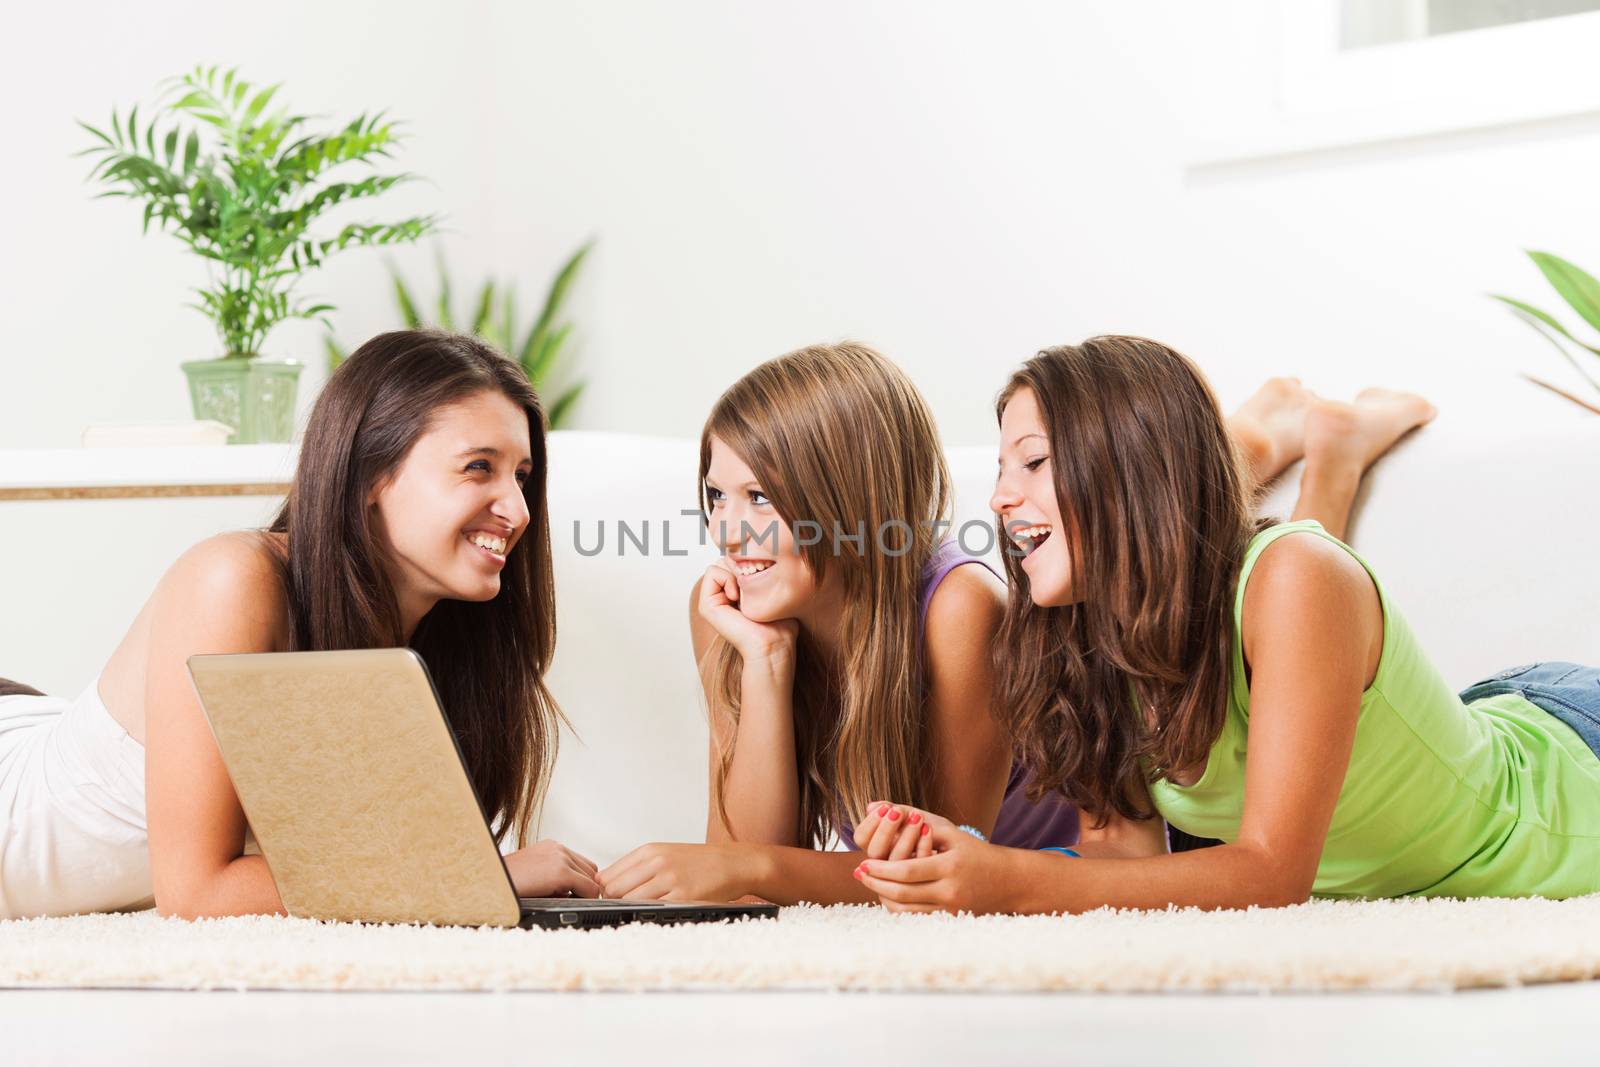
1546	1025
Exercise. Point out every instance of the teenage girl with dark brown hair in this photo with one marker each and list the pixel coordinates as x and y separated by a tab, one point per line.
1165	655
416	518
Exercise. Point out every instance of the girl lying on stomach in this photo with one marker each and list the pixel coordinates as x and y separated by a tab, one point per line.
416	518
1164	656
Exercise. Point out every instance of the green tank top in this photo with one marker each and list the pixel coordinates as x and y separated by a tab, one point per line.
1496	798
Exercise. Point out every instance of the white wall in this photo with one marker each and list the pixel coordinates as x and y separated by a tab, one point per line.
963	183
957	183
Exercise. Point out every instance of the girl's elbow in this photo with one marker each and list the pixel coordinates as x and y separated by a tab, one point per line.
179	906
1284	889
1278	884
184	898
1285	896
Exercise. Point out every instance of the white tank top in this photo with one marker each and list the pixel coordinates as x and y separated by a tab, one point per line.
73	836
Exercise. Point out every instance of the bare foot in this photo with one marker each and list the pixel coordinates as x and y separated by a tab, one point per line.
1342	441
1348	438
1270	427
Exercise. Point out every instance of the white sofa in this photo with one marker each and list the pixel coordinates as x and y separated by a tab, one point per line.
1483	528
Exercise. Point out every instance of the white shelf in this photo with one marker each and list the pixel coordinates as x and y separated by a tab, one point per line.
236	467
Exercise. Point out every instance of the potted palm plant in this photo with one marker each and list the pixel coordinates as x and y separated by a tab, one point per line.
243	186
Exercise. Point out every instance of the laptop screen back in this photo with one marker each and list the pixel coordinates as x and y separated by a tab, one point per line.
354	787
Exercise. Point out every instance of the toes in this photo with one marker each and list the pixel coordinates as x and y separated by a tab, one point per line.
1359	433
1278	393
1410	408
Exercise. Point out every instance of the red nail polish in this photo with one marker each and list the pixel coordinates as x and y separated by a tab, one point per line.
858	874
894	815
863	869
882	811
926	829
914	818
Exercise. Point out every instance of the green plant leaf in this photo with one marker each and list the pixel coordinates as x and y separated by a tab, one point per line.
258	104
555	298
445	319
545	358
191	101
1576	286
96	132
1551	331
480	317
336	355
1529	311
563	406
508	318
408	306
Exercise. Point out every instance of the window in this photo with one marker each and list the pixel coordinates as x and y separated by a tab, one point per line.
1363	23
1346	76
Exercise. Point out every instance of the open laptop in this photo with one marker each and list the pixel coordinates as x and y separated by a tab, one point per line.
357	795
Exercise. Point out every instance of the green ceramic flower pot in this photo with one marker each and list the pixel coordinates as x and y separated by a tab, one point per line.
254	396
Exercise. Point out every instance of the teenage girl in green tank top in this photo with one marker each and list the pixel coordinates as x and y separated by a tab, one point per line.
1162	655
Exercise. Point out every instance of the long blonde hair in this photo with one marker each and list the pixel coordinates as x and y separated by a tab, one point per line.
838	436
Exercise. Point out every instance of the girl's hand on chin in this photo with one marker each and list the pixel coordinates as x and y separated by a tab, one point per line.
550	869
680	873
930	864
719	605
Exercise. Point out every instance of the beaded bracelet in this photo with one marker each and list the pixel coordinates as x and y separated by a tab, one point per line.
973	830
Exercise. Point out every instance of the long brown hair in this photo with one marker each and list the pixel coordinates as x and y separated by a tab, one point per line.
838	436
488	660
1130	681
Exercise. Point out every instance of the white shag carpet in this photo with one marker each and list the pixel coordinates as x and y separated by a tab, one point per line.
1387	945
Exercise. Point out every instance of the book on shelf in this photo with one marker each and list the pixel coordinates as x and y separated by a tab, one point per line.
157	434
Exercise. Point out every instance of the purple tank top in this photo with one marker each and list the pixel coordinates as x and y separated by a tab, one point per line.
1020	824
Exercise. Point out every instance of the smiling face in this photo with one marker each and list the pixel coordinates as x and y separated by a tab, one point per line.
774	580
1025	499
454	510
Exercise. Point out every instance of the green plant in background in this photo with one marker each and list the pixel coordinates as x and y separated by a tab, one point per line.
1582	293
246	196
494	318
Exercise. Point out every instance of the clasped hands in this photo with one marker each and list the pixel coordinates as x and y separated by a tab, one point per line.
913	861
919	862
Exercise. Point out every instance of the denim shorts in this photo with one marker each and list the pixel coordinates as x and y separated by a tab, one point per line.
1569	692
